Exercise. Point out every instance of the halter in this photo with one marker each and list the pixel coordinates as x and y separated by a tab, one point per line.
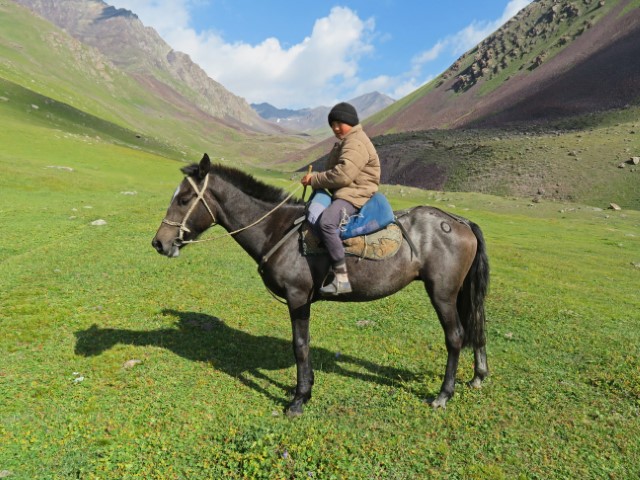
183	225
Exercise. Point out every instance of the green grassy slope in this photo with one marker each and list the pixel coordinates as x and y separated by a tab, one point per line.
45	60
79	302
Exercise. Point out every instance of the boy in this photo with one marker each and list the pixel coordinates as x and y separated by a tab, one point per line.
352	177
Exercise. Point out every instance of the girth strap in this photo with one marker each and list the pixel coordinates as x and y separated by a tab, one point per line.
405	234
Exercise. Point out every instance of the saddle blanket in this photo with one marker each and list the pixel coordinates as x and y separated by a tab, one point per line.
382	244
373	216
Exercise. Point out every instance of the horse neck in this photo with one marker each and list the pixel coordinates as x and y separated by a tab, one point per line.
238	210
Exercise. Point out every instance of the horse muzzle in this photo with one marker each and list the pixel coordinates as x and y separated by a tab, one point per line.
170	250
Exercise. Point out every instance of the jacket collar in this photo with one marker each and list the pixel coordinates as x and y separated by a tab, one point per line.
354	129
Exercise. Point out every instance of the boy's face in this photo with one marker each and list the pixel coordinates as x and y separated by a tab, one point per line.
340	129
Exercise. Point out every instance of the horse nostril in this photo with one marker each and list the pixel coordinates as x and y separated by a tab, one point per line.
157	244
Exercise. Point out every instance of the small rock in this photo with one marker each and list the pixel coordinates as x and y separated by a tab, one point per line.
365	323
98	222
634	161
129	193
5	473
614	206
60	167
131	363
621	165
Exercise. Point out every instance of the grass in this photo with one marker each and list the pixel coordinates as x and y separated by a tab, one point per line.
216	366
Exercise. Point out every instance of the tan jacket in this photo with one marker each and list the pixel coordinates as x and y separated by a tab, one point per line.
353	169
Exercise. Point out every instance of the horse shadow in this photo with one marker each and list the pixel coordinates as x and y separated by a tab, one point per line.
205	338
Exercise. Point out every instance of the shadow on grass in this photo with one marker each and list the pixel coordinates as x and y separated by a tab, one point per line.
205	338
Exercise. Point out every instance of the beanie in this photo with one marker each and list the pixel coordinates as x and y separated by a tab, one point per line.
345	113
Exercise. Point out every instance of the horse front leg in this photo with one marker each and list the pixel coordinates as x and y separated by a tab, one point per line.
300	327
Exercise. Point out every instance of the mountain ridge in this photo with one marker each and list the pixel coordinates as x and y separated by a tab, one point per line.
526	63
139	50
309	119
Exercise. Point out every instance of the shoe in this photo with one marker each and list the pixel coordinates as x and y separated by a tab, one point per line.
336	288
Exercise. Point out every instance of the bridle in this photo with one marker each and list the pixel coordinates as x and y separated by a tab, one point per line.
179	240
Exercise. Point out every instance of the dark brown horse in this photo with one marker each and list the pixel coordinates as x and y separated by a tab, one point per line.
447	253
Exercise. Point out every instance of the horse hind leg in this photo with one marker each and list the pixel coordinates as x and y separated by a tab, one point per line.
480	367
454	338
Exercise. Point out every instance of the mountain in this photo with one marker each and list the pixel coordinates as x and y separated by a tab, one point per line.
138	50
308	119
546	107
554	59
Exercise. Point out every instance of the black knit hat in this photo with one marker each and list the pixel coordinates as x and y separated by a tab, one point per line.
345	113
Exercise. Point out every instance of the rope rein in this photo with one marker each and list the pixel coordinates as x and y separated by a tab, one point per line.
200	196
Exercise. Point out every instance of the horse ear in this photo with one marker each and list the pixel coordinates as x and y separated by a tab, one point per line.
205	166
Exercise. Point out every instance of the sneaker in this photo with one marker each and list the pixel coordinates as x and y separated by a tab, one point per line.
336	288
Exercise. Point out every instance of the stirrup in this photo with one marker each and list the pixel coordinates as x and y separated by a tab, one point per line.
336	287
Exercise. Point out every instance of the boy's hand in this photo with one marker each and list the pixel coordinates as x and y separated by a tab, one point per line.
306	180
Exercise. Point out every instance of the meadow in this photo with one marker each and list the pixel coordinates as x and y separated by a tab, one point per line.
120	363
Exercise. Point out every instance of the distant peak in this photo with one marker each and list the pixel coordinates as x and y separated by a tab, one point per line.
112	12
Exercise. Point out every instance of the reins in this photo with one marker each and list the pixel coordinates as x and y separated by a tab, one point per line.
200	196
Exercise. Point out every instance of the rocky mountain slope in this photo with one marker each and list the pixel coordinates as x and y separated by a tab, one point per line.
138	50
308	119
554	59
546	107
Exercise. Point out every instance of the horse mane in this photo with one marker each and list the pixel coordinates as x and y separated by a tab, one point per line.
245	182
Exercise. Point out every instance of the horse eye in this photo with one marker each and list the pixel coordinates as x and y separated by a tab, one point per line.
183	200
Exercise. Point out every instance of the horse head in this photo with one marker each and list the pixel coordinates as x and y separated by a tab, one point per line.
191	211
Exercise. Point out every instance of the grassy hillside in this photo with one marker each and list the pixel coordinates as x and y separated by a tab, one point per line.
120	363
46	61
575	160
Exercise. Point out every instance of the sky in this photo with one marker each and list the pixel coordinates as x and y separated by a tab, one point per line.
317	53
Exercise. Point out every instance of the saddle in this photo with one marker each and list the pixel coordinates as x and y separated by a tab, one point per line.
379	245
382	243
370	233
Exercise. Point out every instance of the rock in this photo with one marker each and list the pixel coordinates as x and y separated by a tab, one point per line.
634	161
131	363
614	206
621	165
99	222
60	167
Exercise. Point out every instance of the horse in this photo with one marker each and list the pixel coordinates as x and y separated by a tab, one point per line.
444	251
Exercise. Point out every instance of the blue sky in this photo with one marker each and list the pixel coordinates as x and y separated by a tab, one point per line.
313	53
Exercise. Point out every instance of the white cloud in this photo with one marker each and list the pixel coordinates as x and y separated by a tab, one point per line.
321	69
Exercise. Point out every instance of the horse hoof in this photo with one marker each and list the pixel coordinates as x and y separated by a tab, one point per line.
293	411
476	382
440	402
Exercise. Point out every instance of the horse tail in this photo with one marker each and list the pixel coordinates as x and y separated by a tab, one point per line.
470	301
